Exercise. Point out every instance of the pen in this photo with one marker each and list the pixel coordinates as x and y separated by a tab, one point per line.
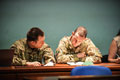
117	55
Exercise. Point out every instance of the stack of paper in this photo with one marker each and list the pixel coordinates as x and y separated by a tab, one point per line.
80	63
75	63
49	64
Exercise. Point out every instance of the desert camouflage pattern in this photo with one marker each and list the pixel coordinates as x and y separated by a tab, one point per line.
117	39
23	53
67	53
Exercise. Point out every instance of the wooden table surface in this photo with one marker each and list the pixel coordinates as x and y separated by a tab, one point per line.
57	70
57	67
87	77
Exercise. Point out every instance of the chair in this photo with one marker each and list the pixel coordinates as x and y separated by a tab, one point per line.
90	70
105	58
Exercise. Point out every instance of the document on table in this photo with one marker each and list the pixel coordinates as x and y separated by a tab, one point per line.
49	64
75	63
80	63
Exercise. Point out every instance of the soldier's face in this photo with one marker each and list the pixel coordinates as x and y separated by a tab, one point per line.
39	43
74	40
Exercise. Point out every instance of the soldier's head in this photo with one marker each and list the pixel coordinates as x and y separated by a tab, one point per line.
80	31
35	37
78	35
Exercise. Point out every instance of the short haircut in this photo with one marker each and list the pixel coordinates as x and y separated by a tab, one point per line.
33	34
81	31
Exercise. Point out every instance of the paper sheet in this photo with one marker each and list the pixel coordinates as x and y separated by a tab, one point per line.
75	63
49	64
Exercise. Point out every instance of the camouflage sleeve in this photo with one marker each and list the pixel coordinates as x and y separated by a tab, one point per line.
62	55
48	54
18	58
93	53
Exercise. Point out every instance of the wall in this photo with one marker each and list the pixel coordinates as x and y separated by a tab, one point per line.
58	18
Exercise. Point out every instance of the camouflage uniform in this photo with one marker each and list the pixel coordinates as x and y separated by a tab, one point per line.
23	53
117	39
67	53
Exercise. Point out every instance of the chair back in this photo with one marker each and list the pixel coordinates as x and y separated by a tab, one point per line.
91	70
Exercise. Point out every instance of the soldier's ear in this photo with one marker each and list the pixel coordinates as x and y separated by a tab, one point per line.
32	42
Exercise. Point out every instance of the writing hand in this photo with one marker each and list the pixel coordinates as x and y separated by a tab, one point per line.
118	60
81	55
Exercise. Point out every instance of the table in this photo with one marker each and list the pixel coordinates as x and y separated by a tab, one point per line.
89	77
18	72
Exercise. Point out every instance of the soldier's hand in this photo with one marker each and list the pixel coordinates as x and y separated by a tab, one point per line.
96	62
33	63
118	60
81	55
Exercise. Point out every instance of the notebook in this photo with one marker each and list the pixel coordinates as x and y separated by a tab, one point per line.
6	57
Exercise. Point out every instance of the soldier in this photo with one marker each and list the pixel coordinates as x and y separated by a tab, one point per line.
77	47
114	50
32	50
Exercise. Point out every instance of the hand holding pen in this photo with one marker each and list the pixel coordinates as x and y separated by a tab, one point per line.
118	59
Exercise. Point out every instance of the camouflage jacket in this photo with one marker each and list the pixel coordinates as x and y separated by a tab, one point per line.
117	39
23	53
67	53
